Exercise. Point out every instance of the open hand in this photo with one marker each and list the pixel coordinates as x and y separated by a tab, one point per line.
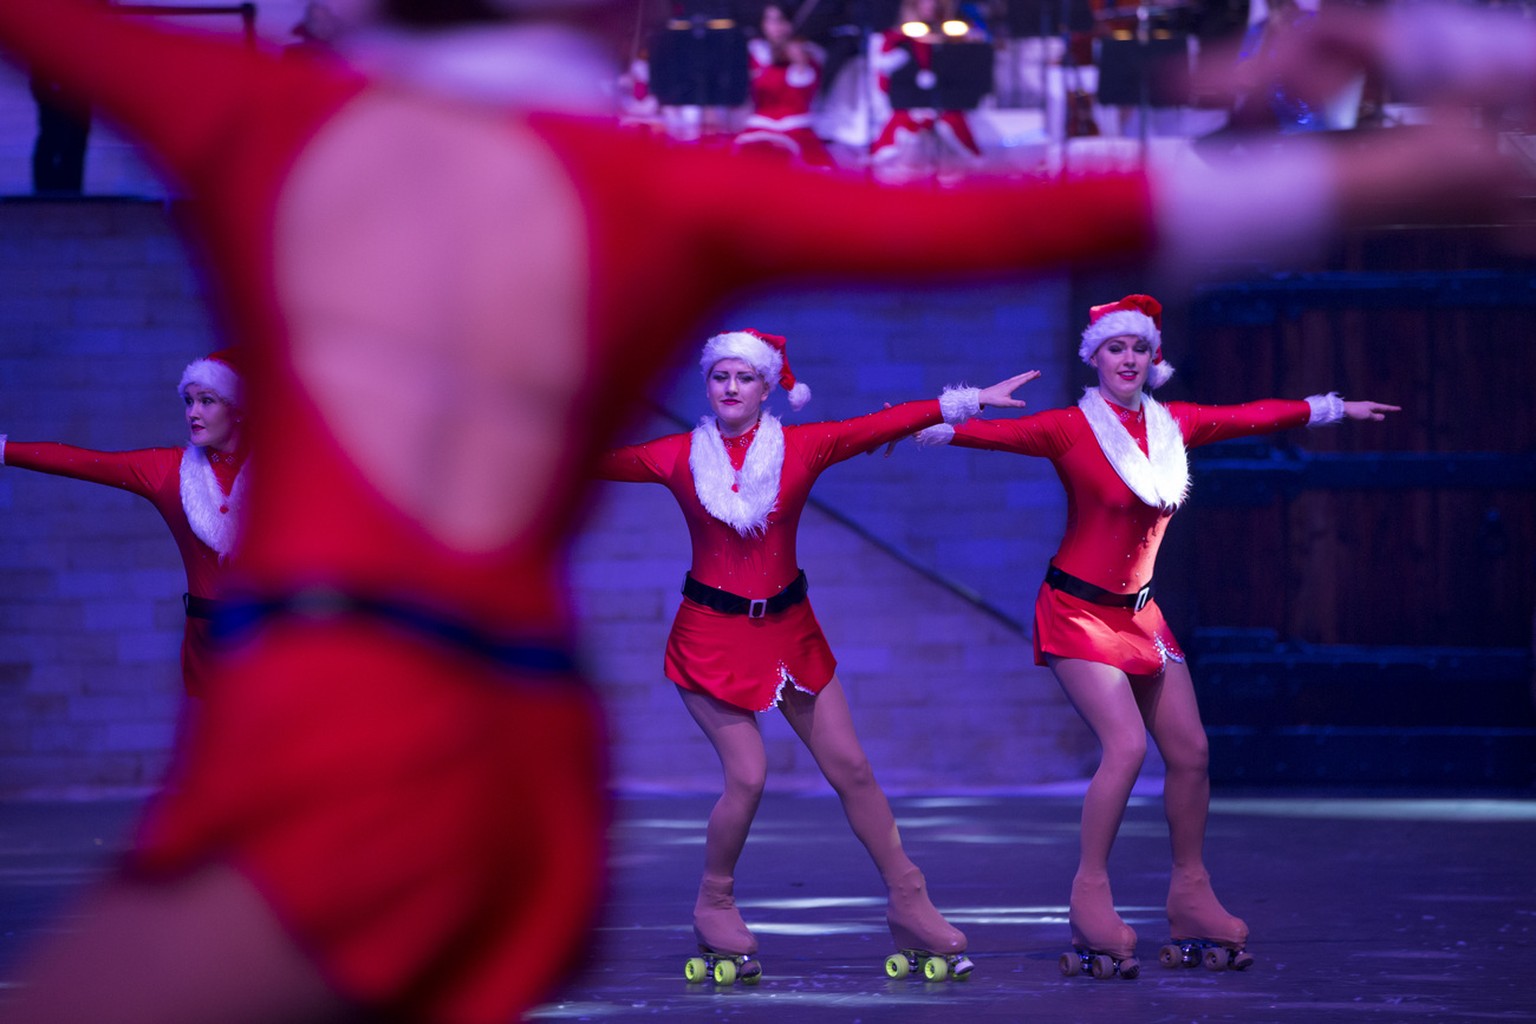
1368	410
1000	395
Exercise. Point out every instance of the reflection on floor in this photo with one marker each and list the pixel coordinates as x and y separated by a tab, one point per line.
1387	909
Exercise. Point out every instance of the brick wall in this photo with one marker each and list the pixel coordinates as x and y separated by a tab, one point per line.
99	312
98	315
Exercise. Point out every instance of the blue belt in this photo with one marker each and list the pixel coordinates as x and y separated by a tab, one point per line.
238	617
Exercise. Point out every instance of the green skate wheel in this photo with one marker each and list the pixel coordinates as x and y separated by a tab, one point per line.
695	970
725	972
897	966
935	968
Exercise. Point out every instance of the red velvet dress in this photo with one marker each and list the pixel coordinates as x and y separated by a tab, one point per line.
782	94
743	661
1112	535
430	825
155	474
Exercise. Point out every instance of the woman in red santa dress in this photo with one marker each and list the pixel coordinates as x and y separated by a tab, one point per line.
746	640
197	490
786	74
898	50
1121	456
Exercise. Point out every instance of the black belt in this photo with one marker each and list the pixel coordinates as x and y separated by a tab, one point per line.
238	617
751	607
1082	589
200	607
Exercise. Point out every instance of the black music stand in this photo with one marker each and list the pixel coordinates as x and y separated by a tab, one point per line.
1029	19
1152	73
962	73
696	64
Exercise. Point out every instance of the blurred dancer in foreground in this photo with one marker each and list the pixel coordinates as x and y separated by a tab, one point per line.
452	288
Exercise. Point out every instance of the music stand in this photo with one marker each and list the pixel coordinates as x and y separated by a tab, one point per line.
962	74
1152	73
694	63
1029	19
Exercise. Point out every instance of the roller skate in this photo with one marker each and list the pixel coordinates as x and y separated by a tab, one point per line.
726	948
924	940
1102	944
1203	932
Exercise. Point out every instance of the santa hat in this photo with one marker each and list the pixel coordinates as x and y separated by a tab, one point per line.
1140	316
219	372
763	352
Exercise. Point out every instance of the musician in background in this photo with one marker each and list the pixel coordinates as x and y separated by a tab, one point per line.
921	25
786	77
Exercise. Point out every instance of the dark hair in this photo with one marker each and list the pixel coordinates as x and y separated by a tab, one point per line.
441	13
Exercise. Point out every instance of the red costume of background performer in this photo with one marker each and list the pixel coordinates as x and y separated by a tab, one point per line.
197	490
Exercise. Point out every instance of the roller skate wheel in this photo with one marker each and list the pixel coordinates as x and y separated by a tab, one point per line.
1215	959
751	972
695	969
1241	960
935	968
725	972
1102	966
897	965
1170	956
1071	964
1129	968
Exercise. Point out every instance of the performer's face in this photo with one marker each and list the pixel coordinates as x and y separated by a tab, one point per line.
1122	362
211	421
777	29
736	392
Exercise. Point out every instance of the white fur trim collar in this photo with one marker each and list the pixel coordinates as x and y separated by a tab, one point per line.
748	507
202	498
1159	478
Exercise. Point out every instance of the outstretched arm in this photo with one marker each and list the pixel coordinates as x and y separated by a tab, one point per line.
1206	424
139	472
635	463
955	406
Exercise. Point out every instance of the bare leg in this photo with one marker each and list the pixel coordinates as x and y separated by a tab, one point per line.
1102	695
203	947
1173	717
825	725
738	740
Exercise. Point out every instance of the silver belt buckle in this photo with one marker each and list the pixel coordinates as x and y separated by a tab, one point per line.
757	608
1143	596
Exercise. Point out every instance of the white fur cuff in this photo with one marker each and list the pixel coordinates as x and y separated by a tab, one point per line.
1326	409
960	404
2	449
930	437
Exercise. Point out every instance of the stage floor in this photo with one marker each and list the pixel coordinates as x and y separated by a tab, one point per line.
1366	907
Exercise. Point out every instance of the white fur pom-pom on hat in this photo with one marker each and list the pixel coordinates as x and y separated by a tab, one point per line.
219	372
1139	316
765	353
